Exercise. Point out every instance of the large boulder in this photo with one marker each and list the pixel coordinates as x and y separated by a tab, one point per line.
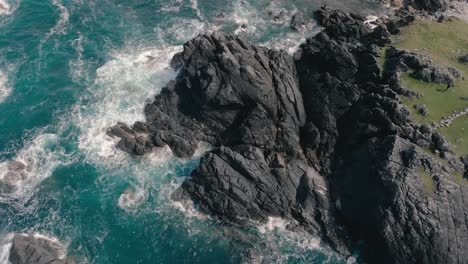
298	21
29	249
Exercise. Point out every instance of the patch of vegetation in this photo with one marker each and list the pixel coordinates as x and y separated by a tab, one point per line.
439	102
428	183
444	43
381	58
459	177
457	134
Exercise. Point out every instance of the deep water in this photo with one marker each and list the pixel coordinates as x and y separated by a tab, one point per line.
71	68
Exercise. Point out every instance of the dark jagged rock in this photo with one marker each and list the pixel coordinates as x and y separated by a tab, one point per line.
428	5
27	249
298	21
277	15
321	139
341	26
385	201
464	160
392	27
420	67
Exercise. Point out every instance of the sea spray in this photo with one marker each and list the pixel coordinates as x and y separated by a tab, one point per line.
124	84
4	8
40	157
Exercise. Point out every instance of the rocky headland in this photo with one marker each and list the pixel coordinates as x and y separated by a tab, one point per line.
321	139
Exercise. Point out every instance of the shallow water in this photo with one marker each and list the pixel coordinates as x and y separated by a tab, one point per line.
71	68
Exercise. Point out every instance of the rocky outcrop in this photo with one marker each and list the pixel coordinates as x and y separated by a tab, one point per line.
425	5
29	249
298	21
320	139
418	66
428	5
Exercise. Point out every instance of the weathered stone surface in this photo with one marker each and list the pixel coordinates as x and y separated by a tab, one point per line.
298	21
28	249
385	202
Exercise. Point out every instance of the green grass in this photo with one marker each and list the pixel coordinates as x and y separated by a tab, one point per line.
428	183
457	134
444	43
381	58
439	103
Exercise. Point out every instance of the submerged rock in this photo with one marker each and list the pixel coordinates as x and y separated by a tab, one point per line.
277	15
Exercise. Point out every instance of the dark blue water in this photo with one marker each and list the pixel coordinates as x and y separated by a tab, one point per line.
71	68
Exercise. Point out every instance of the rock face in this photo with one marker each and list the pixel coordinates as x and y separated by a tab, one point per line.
320	139
384	200
28	249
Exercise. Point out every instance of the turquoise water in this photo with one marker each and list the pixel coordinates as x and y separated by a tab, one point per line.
71	68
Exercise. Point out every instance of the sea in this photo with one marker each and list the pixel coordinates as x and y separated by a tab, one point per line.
69	69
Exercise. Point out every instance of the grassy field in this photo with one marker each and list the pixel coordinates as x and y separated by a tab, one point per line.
457	134
444	43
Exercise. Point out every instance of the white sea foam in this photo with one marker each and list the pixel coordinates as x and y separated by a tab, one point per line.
131	198
5	8
188	209
276	231
61	26
245	17
173	6
195	7
182	30
273	223
33	163
5	246
5	89
79	72
121	87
